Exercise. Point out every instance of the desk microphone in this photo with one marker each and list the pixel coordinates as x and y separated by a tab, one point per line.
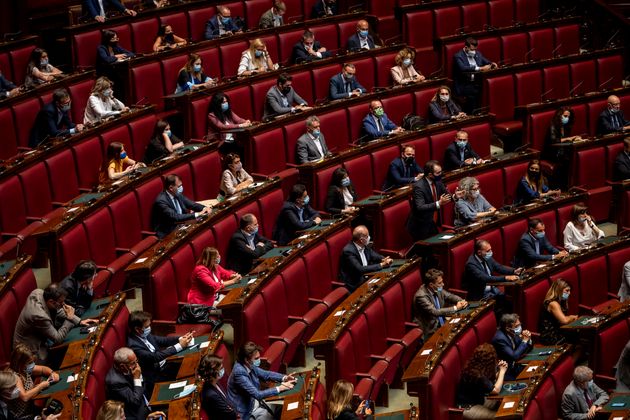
461	31
555	50
377	89
137	104
480	111
529	53
600	87
542	97
522	148
435	73
575	88
384	192
609	43
488	27
361	139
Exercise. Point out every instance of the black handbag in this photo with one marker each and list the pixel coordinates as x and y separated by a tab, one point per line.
198	313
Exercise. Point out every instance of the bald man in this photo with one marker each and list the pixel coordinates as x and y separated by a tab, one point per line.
612	120
361	40
221	24
357	259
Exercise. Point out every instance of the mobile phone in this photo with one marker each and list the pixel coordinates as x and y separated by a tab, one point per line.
367	405
53	406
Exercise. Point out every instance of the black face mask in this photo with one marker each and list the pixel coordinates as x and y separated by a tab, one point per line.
170	38
285	90
534	175
409	160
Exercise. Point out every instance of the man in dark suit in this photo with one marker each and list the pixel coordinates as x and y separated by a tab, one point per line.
79	286
582	398
480	269
432	303
96	9
459	153
7	88
403	170
345	84
172	207
612	120
311	146
361	40
246	245
512	342
308	49
324	8
377	125
124	383
466	82
532	245
152	350
283	99
357	259
296	214
621	168
221	24
54	119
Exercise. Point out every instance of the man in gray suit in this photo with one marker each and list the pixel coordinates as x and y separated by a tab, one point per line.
623	370
282	98
582	398
311	146
432	303
272	18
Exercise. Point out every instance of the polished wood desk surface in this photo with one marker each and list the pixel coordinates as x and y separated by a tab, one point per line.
612	312
62	391
523	111
10	270
408	414
617	408
298	404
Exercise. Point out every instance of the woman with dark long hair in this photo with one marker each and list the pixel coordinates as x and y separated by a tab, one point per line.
108	53
162	144
214	400
166	39
39	70
221	117
341	193
117	164
533	185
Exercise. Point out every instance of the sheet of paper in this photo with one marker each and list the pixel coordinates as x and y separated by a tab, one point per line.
540	266
425	352
177	385
141	260
508	404
532	368
373	281
71	379
118	182
72	209
192	342
188	389
252	280
92	329
455	320
339	313
293	405
446	237
204	344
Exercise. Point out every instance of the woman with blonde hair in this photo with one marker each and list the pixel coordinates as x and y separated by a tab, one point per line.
554	313
101	103
255	59
340	403
404	72
192	76
208	278
115	410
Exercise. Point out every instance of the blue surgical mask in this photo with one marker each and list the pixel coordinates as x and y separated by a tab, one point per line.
564	120
226	20
259	53
474	194
461	143
316	133
439	289
146	331
225	106
348	76
180	189
123	155
518	330
218	260
221	373
107	93
29	368
255	231
256	362
488	255
445	98
363	33
169	133
540	235
565	295
15	393
65	108
590	383
197	67
407	62
44	62
345	182
306	200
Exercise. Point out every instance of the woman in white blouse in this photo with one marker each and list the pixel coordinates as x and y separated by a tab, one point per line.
581	231
234	178
101	103
255	59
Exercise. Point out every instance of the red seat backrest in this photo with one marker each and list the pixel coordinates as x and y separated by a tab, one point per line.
591	167
146	81
594	109
223	231
511	236
183	172
121	135
396	107
501	13
259	95
334	126
490	48
9	144
474	16
495	239
204	168
335	246
24	118
556	82
327	35
567	39
422	98
100	236
526	10
528	87
146	195
62	176
609	345
439	143
293	277
318	280
616	260
84	47
73	247
417	29
19	59
143	34
512	175
170	70
321	80
514	47
583	78
500	97
591	292
37	194
127	224
393	233
458	255
609	72
13	210
178	22
159	295
447	21
269	150
538	127
533	297
303	85
381	159
231	56
384	63
79	93
365	72
141	130
321	183
254	9
197	19
541	43
88	158
360	171
286	41
183	261
271	203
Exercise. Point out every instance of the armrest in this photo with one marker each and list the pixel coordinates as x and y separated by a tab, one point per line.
146	233
411	325
363	375
292	165
461	293
614	296
201	141
31	219
455	413
58	204
257	175
585	310
316	301
448	227
391	253
294	318
337	284
85	190
121	251
278	338
7	235
606	382
393	340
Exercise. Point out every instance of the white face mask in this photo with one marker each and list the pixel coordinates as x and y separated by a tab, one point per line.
15	393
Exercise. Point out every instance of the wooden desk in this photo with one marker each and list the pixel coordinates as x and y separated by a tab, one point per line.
409	414
298	404
190	358
166	392
11	270
612	409
61	390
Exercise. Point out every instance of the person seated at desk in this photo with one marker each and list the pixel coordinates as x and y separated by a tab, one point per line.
45	321
404	72
246	245
39	70
582	398
54	120
166	39
96	9
192	76
115	410
221	24
296	215
221	117
459	153
162	144
244	384
101	103
341	194
283	99
172	207
482	375
512	342
479	273
624	289
533	185
208	278
532	245
311	146
152	350
358	258
612	120
234	177
7	88
345	85
324	8
273	17
124	382
79	286
442	108
403	170
340	403
117	164
361	40
377	125
622	374
9	392
431	303
109	52
214	400
581	232
255	59
554	313
467	62
621	168
473	206
308	49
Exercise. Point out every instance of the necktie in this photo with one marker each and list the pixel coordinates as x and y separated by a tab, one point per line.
436	213
379	124
101	8
178	208
537	246
437	306
300	213
485	264
589	402
615	122
407	174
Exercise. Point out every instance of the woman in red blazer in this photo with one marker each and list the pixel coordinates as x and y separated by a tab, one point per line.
208	278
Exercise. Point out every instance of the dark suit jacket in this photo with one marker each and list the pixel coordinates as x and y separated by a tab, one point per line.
621	169
354	44
165	217
435	111
288	222
334	199
337	89
476	277
104	59
420	223
623	370
77	297
306	151
212	27
46	124
215	404
510	352
452	158
319	11
371	131
150	361
396	174
426	313
351	270
300	55
121	388
605	122
91	8
266	20
5	86
463	71
526	253
240	256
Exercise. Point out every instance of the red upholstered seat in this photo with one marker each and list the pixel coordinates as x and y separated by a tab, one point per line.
360	170
170	71
322	181
202	240
591	168
286	41
495	239
146	195
491	47
501	13
223	231
583	78
383	64
24	117
556	82
9	144
335	246
334	126
447	21
526	10
356	113
501	102
528	87
203	168
88	160
381	159
321	80
271	41
271	203
259	93
418	29
515	47
547	400
303	85
538	127
511	235
448	57
268	149
609	72
533	297
253	11
73	247
616	260
346	30
551	226
365	70
13	212
474	16
442	392
439	143
541	43
609	345
591	291
397	107
119	134
594	109
179	22
458	255
143	34
84	47
183	172
567	39
62	176
37	194
231	56
327	35
79	93
393	235
243	97
19	59
146	81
